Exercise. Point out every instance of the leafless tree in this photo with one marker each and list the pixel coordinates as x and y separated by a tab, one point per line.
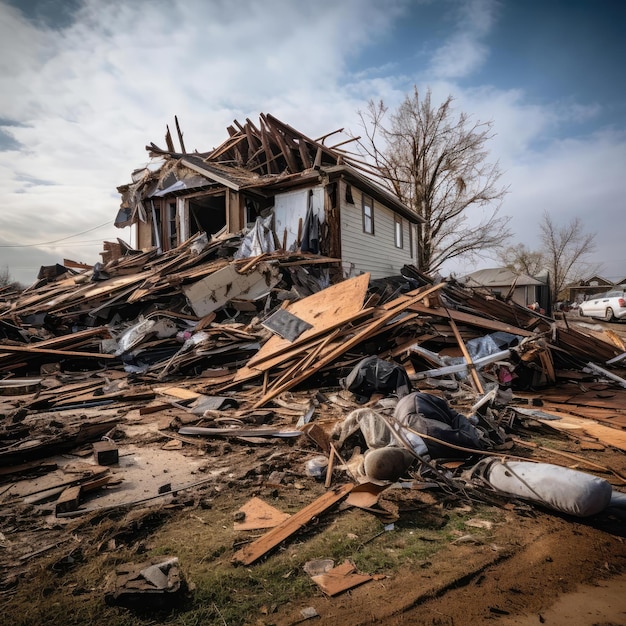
565	248
521	260
435	163
5	277
7	281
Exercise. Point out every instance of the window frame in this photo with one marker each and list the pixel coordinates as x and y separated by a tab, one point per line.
398	231
365	217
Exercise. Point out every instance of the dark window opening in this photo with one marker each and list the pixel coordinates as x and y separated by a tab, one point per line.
172	230
349	198
207	214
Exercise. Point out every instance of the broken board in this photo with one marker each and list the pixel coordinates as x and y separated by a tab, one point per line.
259	514
217	289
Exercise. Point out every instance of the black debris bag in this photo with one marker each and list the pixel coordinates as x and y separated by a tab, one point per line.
374	375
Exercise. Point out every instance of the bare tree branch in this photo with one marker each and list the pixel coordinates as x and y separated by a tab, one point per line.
435	165
566	249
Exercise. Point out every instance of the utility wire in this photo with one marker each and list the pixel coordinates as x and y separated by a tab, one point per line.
47	243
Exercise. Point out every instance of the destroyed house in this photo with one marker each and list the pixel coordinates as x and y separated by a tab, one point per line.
301	194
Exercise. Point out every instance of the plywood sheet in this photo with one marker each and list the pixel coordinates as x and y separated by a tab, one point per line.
324	310
607	435
340	579
259	514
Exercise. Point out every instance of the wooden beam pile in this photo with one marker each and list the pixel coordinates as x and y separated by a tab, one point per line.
269	148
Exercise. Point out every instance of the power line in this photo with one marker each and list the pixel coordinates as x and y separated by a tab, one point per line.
47	243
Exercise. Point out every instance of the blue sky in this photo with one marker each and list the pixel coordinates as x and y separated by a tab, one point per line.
86	84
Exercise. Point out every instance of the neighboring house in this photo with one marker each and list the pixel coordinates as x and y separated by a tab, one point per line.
519	288
584	289
310	195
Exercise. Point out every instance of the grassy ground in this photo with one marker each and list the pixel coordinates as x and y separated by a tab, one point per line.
68	587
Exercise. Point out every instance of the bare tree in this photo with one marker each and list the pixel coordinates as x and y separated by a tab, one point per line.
566	248
435	164
5	277
521	260
7	281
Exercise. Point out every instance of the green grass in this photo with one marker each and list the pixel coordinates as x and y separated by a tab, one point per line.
222	593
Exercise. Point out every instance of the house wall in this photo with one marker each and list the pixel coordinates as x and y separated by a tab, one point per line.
362	252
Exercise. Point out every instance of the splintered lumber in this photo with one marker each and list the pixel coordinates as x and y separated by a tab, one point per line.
255	550
342	345
324	310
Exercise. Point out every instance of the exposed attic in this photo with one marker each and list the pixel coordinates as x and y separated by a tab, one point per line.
269	149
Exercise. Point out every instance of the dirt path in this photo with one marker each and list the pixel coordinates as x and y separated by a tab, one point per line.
528	566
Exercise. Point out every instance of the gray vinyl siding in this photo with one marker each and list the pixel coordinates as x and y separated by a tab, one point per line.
377	253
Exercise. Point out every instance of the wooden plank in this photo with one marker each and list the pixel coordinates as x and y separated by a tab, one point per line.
340	579
36	350
177	392
472	320
258	514
68	500
326	309
470	364
254	551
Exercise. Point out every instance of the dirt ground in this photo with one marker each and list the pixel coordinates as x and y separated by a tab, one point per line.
519	578
526	566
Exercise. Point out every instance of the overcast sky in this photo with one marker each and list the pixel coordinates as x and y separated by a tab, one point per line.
86	84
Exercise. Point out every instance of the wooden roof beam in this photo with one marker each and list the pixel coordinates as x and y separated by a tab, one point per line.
282	144
269	162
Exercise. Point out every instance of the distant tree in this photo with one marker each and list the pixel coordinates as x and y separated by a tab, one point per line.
566	249
521	260
7	281
5	277
434	162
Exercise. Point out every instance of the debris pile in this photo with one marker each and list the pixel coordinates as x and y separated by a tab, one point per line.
197	352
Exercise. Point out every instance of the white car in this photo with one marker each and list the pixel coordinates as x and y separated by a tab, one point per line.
607	306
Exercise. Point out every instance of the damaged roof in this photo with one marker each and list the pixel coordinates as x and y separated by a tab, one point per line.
263	160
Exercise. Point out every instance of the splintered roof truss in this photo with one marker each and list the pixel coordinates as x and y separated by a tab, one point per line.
269	149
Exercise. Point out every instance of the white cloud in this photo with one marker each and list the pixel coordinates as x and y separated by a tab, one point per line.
463	52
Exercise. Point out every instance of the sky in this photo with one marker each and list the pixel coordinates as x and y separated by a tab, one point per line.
85	85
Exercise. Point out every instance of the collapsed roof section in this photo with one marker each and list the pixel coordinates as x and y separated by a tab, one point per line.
260	159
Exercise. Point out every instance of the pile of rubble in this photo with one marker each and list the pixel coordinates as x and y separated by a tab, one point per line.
201	343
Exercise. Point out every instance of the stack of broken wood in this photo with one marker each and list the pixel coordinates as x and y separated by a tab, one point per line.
268	321
194	345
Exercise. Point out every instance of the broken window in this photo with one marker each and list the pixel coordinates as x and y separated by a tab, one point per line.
397	229
172	231
349	198
368	215
207	213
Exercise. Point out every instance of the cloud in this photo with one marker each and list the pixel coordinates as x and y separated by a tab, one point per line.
463	52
